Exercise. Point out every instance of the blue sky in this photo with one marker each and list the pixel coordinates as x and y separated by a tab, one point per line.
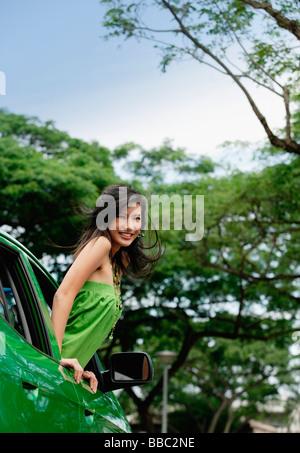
58	68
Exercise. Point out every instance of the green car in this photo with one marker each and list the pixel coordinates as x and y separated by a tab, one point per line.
37	394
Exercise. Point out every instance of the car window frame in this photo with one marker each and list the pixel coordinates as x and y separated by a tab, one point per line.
34	318
44	275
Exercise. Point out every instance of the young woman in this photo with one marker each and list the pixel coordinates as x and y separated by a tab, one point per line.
87	304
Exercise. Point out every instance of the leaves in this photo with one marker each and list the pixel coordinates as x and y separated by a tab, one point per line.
230	300
152	165
45	174
243	39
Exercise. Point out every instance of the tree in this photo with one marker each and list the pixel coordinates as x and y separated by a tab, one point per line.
225	381
255	43
45	175
240	282
153	165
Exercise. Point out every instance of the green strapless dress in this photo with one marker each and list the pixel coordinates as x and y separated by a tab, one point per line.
91	320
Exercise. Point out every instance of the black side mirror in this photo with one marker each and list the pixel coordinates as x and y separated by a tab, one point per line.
127	369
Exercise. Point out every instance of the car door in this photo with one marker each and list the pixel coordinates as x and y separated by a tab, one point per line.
36	393
103	412
36	396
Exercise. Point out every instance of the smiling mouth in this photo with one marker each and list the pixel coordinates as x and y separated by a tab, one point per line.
125	235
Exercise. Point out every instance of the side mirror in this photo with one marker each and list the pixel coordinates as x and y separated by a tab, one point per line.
127	369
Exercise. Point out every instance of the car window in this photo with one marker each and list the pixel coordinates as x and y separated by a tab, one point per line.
17	302
47	287
2	306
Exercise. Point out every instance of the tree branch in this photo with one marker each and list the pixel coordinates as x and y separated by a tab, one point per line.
291	146
283	22
244	50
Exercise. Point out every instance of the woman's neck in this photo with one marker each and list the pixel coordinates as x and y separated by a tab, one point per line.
114	249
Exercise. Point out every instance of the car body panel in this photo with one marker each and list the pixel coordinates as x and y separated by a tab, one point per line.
40	397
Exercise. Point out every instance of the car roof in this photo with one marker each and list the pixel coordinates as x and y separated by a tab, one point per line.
16	243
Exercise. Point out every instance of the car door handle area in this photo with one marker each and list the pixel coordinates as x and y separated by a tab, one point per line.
29	385
31	390
89	416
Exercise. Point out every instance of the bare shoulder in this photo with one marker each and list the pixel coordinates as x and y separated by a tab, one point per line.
92	256
101	243
97	250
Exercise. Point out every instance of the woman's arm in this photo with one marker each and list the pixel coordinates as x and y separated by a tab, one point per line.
89	259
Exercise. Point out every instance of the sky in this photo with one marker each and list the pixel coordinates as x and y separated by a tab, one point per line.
58	67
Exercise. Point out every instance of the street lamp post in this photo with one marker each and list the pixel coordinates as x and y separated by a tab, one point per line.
166	358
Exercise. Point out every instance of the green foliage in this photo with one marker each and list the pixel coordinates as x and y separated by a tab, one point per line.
217	25
229	299
153	165
248	41
224	373
44	176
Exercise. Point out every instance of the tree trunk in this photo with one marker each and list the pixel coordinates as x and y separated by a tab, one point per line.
216	417
229	419
146	420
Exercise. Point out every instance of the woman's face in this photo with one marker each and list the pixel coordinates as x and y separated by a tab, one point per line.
125	228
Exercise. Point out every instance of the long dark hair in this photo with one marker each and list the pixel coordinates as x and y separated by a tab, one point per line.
141	264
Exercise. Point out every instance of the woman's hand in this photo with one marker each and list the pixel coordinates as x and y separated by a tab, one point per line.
80	373
93	380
